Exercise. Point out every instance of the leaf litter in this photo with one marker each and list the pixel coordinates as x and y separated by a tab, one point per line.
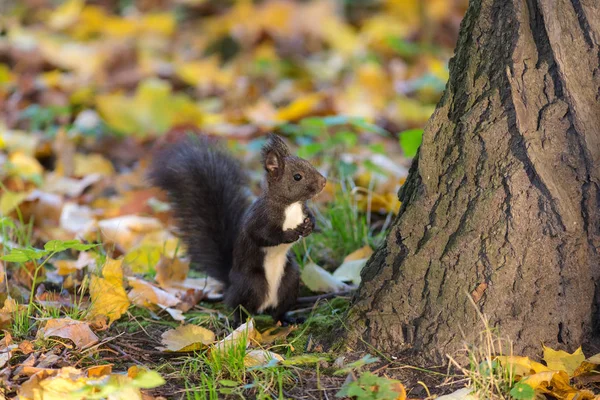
88	90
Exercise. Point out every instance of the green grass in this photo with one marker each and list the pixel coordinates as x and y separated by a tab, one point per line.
343	228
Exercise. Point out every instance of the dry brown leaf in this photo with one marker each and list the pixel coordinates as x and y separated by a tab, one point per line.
272	334
145	294
171	270
26	347
77	331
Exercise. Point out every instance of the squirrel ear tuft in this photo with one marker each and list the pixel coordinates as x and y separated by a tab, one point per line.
274	153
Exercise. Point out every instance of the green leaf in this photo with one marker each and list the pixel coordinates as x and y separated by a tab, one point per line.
313	126
377	148
16	255
228	383
303	359
522	391
309	150
146	379
354	390
369	127
410	141
23	255
347	138
368	359
62	245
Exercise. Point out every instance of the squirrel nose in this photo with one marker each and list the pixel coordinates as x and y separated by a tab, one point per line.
322	182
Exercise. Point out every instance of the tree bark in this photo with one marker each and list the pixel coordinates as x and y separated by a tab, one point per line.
502	201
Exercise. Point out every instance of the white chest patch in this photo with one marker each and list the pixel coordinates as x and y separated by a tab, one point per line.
276	256
294	216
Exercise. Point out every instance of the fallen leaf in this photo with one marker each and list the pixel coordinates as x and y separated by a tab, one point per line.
258	358
349	271
145	294
99	370
560	360
171	270
77	331
108	297
24	165
319	280
186	338
10	200
70	187
363	252
128	229
244	333
272	334
152	109
92	164
521	366
461	394
26	347
299	108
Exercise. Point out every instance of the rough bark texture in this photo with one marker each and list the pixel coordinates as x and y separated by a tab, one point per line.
503	201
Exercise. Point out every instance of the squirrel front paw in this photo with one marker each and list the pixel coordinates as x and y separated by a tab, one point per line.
306	227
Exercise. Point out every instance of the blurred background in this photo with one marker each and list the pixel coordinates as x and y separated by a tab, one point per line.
236	68
89	88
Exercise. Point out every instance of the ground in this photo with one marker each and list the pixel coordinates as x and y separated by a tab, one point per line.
99	300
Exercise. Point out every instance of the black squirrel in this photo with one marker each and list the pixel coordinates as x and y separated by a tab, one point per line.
241	243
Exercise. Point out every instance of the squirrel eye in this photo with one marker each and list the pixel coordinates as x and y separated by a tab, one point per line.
297	177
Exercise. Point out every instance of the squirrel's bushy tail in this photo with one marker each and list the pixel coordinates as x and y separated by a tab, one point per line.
208	192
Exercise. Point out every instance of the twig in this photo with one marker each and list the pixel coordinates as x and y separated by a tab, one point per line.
314	299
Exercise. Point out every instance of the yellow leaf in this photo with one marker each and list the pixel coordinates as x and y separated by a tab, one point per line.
23	165
562	361
88	164
85	60
77	331
341	37
556	384
187	338
147	253
107	294
301	107
119	27
540	378
413	112
153	109
9	201
160	23
521	366
256	358
66	14
204	72
142	259
5	77
91	21
363	252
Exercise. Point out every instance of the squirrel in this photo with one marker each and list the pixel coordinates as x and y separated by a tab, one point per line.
243	244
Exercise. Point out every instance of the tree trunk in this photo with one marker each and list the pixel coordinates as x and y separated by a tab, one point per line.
502	202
